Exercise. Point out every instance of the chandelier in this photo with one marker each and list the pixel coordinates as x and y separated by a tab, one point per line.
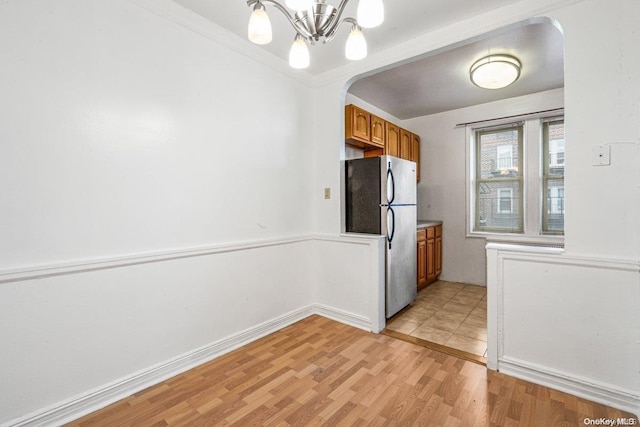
315	20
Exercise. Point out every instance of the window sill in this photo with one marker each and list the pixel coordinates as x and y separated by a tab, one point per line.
533	240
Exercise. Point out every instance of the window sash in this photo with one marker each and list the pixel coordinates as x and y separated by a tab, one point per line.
552	206
515	180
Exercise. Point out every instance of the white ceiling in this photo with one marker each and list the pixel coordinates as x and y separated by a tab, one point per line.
438	82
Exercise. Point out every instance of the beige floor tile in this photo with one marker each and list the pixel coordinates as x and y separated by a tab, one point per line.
450	285
425	312
440	324
473	291
469	345
479	312
466	300
438	296
431	334
476	332
415	315
404	327
434	303
449	316
457	308
452	314
474	321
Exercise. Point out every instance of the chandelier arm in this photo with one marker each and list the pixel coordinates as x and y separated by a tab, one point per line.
332	34
336	21
300	29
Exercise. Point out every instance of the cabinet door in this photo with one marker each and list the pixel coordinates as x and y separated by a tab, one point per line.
431	260
405	144
415	153
422	263
393	140
421	238
357	123
377	130
438	259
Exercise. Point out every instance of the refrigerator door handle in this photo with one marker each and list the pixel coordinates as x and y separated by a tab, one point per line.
391	186
391	225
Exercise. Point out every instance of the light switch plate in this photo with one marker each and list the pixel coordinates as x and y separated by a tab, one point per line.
601	155
327	193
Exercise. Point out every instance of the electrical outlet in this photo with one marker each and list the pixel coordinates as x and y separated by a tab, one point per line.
601	155
327	193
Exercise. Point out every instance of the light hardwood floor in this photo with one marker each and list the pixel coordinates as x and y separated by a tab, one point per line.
321	372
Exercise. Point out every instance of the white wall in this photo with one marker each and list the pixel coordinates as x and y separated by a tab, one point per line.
566	321
602	96
442	189
126	141
122	135
125	133
586	337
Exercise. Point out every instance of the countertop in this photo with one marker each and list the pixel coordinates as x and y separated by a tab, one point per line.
424	223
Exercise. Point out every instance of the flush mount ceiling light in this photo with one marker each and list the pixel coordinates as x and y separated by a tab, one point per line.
495	71
315	20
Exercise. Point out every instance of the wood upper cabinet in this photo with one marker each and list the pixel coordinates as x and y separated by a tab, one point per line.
363	129
405	144
392	134
376	136
415	153
357	126
377	130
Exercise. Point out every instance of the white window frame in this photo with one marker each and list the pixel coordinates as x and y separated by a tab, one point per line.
532	191
546	175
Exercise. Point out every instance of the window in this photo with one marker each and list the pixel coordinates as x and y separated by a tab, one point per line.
505	156
499	179
505	196
553	176
516	179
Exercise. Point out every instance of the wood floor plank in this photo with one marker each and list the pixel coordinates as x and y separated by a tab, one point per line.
318	372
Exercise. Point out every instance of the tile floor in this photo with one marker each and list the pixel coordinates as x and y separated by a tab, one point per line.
447	313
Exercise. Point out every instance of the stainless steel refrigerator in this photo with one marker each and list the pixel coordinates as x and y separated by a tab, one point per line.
380	199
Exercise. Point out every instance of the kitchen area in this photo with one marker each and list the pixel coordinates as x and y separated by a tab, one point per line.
382	171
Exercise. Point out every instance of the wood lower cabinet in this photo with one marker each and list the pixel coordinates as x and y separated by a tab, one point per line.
422	258
438	251
429	255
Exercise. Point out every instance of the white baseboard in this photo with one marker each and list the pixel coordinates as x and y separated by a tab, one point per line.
345	317
102	396
587	389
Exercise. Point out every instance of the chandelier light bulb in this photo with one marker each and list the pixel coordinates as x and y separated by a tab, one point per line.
356	47
370	13
299	53
315	21
299	5
259	31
